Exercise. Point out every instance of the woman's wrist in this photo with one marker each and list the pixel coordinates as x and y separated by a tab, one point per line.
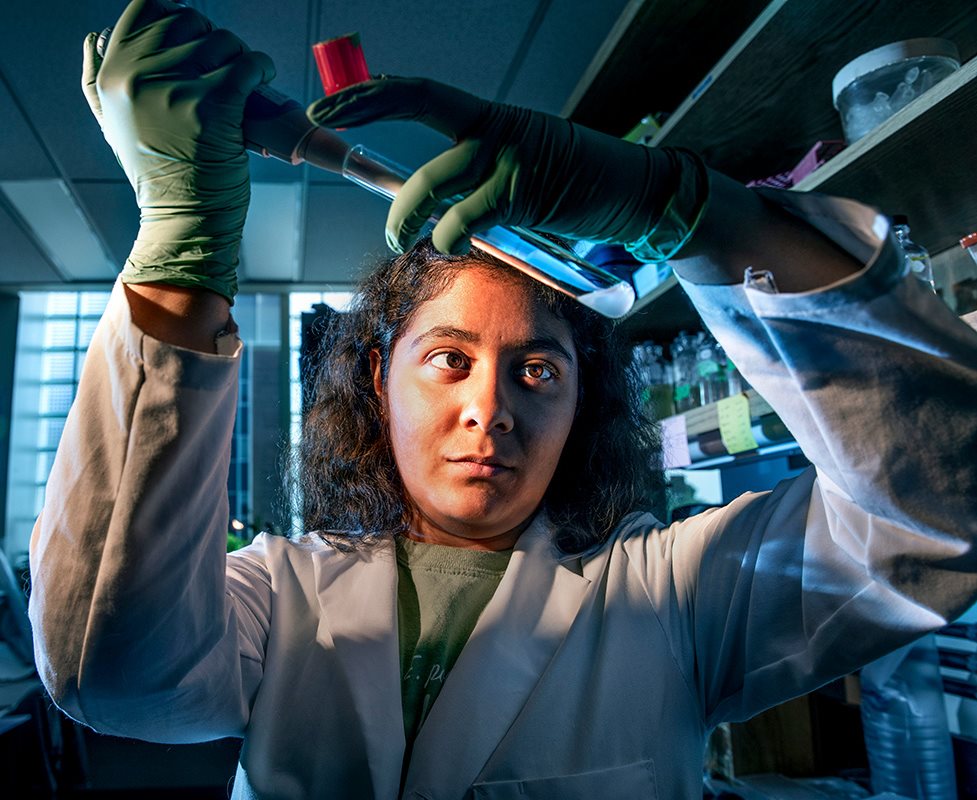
740	230
179	315
196	251
683	211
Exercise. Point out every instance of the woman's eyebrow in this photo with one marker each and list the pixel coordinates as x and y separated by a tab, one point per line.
545	343
548	344
446	332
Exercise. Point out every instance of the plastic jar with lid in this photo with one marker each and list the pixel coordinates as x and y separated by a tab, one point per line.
877	84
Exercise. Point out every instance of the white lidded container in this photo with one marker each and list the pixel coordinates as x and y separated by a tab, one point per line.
873	87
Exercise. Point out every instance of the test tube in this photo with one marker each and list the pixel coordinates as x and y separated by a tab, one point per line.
526	250
341	63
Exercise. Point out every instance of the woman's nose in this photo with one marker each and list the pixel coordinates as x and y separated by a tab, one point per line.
488	406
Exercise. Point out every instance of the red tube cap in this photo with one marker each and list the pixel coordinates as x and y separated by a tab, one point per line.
969	240
340	62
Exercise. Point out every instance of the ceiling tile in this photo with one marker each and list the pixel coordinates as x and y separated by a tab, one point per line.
466	44
21	155
111	206
271	240
343	233
61	227
41	60
47	130
20	260
561	49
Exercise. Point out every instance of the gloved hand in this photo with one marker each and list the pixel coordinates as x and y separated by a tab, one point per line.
169	97
527	169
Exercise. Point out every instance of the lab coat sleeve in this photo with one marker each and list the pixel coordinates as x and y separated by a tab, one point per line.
143	626
877	380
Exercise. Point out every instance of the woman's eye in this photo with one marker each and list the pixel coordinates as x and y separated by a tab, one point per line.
538	372
449	360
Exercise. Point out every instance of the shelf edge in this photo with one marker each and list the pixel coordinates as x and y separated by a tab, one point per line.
709	80
901	119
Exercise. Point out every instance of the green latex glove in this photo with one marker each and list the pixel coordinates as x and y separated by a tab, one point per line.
169	97
524	168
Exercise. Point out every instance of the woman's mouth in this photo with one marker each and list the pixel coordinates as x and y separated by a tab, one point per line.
476	466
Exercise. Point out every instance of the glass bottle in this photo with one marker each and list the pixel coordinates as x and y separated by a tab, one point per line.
710	368
917	257
654	379
735	382
686	387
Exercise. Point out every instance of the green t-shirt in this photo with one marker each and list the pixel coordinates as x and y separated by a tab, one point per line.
440	593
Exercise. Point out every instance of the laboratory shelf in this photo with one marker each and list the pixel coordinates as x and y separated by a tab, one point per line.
758	107
786	448
768	100
916	162
748	85
706	443
704	419
654	57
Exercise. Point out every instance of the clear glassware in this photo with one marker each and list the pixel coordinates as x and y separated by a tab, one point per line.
907	737
524	249
710	371
685	382
655	380
735	382
917	257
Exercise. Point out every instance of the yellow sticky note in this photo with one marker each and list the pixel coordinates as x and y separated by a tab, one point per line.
734	424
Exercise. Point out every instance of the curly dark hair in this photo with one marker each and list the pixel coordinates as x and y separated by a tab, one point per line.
347	483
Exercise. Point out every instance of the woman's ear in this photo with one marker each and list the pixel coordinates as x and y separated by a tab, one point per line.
376	367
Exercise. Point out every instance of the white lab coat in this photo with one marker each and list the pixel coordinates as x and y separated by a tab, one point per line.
592	676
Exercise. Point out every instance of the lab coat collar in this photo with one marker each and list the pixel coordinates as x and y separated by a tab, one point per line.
357	593
511	646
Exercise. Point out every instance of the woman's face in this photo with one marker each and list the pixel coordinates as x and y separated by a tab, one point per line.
480	396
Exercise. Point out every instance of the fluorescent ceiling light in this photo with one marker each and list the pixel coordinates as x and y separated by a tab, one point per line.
63	231
270	248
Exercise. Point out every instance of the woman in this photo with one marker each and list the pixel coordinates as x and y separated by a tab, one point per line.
560	654
578	416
